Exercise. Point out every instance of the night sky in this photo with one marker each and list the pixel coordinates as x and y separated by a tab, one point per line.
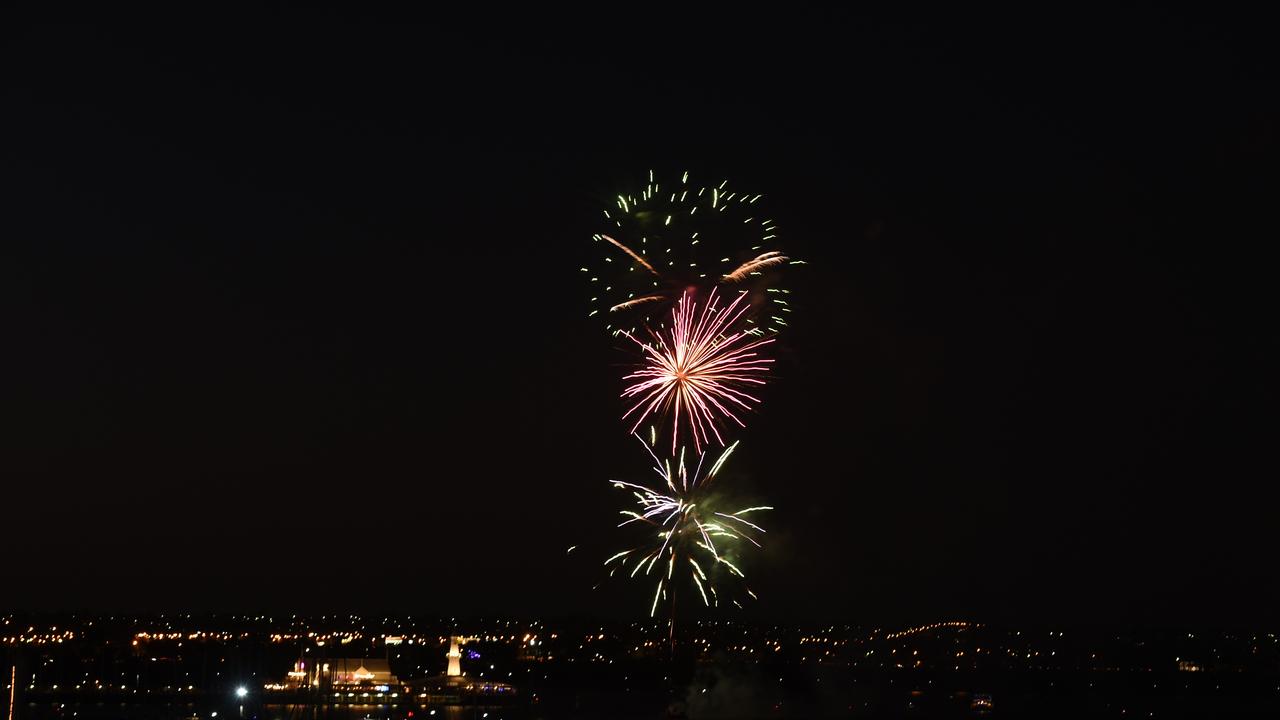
293	321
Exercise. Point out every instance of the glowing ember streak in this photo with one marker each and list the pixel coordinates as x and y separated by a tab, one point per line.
635	302
696	370
685	524
773	257
634	256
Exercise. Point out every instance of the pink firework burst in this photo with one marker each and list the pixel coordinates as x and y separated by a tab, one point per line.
698	370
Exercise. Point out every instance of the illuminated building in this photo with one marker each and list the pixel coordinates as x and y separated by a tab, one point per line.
454	686
340	672
357	679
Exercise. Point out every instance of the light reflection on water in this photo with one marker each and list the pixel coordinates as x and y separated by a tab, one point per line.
354	712
124	711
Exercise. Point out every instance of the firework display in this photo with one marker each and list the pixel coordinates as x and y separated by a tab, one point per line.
697	369
689	274
684	525
672	236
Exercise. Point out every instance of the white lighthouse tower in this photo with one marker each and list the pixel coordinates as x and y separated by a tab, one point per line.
455	658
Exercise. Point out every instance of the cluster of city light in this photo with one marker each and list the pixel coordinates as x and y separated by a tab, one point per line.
927	628
318	638
189	636
99	686
923	648
36	637
824	640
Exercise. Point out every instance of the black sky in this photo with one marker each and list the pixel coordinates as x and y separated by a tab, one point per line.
296	296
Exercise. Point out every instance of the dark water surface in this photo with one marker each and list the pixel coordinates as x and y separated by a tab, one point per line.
128	711
725	692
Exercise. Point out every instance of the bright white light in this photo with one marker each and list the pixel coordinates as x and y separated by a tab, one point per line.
242	691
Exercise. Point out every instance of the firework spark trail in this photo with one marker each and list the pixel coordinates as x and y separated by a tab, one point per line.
696	370
682	514
629	251
769	259
637	301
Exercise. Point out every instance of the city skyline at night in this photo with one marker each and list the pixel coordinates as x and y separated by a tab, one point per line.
316	316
